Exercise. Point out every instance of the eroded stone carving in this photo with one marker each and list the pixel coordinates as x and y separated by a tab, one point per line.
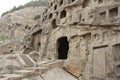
80	36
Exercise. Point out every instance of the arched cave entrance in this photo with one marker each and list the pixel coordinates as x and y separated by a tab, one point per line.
63	47
54	23
63	14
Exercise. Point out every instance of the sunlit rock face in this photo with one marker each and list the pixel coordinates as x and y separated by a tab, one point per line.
16	25
74	40
91	29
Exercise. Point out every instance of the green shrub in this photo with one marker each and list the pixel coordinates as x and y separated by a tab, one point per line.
18	24
3	38
37	17
29	4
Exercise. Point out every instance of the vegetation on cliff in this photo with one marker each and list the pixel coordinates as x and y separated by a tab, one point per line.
35	3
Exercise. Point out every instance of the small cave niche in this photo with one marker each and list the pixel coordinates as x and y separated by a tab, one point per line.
24	46
100	1
29	39
29	28
117	69
96	37
63	14
83	20
63	47
73	0
50	16
70	1
55	7
80	17
46	10
116	0
54	23
57	13
102	15
43	20
61	2
46	17
113	12
39	44
51	4
91	16
116	52
9	47
26	26
105	35
86	3
95	0
11	50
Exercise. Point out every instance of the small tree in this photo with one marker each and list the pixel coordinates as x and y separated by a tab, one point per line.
37	17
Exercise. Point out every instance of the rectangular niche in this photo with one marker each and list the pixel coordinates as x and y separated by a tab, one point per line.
86	3
100	1
113	12
102	15
116	53
70	1
99	62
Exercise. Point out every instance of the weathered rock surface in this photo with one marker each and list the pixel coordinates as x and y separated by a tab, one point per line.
74	40
15	26
57	74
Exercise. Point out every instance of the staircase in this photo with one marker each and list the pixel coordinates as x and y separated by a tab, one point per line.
21	61
28	60
25	60
44	70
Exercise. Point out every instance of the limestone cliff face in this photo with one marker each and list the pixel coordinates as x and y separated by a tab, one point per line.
80	37
17	24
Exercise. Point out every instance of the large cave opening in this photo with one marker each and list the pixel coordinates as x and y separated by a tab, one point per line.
63	47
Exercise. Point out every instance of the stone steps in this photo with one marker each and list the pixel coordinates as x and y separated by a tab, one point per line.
36	71
57	74
11	57
20	60
96	77
53	64
26	73
39	70
31	71
53	74
45	71
43	62
11	77
28	60
34	78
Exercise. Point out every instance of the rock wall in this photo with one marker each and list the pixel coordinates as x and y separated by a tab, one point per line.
16	25
80	37
85	34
